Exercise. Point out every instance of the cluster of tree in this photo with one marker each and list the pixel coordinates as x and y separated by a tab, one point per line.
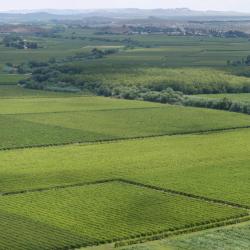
18	42
98	53
235	34
155	30
45	77
242	62
222	104
201	88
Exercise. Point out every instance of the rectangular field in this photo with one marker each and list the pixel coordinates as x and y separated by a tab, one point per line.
44	105
206	165
126	119
92	214
230	238
12	91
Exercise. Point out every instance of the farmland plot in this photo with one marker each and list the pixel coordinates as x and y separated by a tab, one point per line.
99	213
43	105
233	237
206	165
126	119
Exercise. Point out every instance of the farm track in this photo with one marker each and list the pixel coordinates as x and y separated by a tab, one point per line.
190	228
114	140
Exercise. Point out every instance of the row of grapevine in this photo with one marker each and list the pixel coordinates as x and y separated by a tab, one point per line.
103	213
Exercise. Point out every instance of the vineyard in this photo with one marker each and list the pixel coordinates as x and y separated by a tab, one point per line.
27	122
187	80
101	213
183	160
102	143
233	237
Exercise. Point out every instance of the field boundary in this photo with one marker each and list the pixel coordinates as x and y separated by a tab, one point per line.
185	230
79	111
114	140
188	195
160	234
133	183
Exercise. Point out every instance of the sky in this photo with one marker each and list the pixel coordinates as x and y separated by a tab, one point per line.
223	5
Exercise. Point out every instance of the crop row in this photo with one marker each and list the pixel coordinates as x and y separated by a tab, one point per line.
49	129
97	214
111	140
130	182
184	230
194	196
169	162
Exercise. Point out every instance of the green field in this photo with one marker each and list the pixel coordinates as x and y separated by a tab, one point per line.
13	91
68	104
236	237
181	160
79	170
10	79
166	51
98	213
55	121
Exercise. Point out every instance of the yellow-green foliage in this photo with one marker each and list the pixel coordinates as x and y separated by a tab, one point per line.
97	214
234	237
188	80
53	121
206	164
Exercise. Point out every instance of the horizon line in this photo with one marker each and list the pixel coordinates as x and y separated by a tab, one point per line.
125	8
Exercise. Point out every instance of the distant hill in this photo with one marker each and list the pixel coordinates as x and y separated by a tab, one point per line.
51	14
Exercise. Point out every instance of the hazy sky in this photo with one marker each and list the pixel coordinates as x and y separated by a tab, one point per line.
235	5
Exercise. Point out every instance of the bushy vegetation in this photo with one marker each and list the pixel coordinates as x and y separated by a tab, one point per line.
18	42
185	80
241	97
222	104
